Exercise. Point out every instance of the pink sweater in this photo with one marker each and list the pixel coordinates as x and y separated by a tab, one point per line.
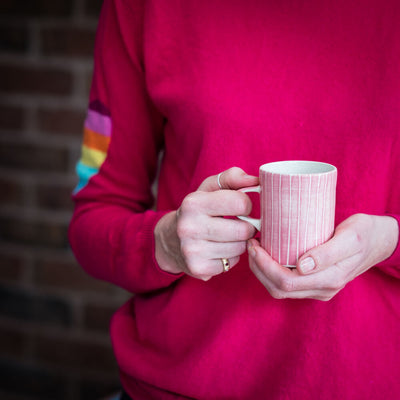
221	83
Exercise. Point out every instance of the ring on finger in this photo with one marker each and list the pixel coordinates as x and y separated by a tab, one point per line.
219	181
225	264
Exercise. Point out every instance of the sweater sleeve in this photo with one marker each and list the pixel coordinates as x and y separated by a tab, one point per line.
111	231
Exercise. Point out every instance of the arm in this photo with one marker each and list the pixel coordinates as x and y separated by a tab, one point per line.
111	231
114	233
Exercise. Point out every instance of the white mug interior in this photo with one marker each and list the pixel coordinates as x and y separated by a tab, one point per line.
299	167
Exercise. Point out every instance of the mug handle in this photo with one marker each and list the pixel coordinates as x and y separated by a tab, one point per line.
254	221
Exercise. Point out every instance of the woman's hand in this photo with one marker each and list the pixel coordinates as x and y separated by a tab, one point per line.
358	244
196	237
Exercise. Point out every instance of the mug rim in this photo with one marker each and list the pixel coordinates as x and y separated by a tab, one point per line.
303	166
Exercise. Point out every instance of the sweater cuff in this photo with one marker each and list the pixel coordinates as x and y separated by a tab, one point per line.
144	274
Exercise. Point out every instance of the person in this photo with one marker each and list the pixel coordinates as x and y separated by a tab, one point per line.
202	94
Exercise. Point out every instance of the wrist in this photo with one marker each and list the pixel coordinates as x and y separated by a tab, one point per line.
167	243
389	228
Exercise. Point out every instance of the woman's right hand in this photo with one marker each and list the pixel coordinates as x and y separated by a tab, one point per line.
196	237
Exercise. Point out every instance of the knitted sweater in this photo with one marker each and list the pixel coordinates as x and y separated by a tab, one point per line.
222	83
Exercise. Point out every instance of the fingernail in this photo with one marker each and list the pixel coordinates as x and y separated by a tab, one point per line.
307	265
251	250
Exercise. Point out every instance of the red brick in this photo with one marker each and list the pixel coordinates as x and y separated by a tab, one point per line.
61	121
38	233
75	353
14	39
11	117
70	41
36	8
11	193
10	267
54	197
33	157
67	275
97	317
35	80
18	304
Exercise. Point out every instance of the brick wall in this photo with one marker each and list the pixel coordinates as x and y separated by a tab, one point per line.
54	319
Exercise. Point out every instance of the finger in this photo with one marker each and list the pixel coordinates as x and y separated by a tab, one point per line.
230	179
284	283
209	268
218	203
268	271
233	261
198	253
225	250
218	229
344	244
322	285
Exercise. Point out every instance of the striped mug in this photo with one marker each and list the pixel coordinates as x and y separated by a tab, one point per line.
297	207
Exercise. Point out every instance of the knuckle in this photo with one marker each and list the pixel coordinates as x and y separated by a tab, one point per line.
241	247
360	218
277	294
355	238
337	284
243	204
234	171
250	231
190	203
184	229
356	234
189	251
318	260
327	296
340	285
244	231
286	284
196	268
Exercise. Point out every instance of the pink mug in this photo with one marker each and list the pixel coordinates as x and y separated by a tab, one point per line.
297	207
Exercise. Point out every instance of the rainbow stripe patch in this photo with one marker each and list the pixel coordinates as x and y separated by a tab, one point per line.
96	140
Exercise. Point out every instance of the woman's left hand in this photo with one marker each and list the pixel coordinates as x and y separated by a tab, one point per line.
359	243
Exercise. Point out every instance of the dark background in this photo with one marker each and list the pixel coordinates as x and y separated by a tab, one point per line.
54	341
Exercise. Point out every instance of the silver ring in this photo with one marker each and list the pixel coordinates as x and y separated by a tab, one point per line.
225	264
218	181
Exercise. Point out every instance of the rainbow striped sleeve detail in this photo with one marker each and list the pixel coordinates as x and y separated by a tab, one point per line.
96	140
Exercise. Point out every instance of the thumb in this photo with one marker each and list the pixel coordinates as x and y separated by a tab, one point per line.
332	252
231	179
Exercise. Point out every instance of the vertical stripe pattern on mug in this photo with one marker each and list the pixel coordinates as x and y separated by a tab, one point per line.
299	213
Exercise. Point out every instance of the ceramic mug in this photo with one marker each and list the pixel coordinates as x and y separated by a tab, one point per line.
297	207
